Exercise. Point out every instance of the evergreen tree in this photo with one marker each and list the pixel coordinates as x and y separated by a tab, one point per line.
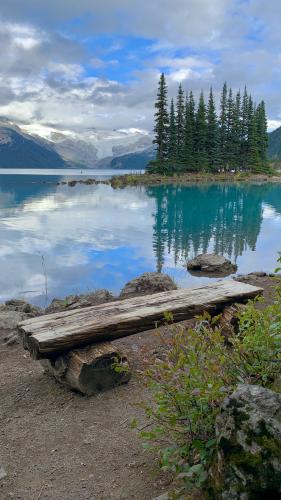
172	140
261	122
229	149
244	132
188	152
201	135
236	132
161	127
212	139
180	124
253	159
223	126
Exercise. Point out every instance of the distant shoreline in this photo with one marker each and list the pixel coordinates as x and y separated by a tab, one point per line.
121	181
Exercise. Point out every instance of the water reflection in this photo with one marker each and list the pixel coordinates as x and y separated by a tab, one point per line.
97	237
225	219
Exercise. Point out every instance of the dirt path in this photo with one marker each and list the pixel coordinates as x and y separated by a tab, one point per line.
58	445
55	444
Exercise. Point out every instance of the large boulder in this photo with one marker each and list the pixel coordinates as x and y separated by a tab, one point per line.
146	284
248	461
79	301
211	263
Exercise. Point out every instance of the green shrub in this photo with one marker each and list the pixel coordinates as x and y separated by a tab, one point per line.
195	374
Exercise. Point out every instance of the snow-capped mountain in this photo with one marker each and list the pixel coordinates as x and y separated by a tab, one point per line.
87	148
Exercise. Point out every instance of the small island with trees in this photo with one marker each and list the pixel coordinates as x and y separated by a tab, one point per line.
193	137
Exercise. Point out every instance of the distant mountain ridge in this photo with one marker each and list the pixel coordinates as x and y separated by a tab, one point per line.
274	144
93	149
18	150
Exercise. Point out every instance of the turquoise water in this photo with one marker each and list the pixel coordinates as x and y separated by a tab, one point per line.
75	239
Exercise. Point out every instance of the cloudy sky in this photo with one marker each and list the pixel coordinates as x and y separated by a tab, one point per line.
75	65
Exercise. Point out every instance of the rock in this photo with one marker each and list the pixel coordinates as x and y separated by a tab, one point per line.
79	301
146	284
13	312
210	263
3	473
248	461
9	319
23	306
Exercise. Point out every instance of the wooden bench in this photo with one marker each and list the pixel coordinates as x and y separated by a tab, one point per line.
60	336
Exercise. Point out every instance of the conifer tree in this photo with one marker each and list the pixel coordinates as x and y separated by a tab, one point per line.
212	139
172	139
223	126
161	127
201	135
236	132
244	130
262	135
253	159
188	153
180	125
229	153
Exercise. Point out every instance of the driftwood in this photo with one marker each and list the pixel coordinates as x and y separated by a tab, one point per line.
46	336
90	370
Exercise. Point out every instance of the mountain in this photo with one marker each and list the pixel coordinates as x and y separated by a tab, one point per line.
274	146
138	161
43	147
19	150
93	148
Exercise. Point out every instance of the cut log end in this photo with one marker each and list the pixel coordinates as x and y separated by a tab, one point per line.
90	370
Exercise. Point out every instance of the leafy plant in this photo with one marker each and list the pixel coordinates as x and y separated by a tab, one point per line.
195	374
188	385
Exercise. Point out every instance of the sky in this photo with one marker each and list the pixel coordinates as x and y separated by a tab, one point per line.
94	64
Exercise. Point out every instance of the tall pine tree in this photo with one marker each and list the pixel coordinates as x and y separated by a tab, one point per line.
201	135
253	159
188	152
223	126
172	139
161	127
261	123
180	124
244	132
212	138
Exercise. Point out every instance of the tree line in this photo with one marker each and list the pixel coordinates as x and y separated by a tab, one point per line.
193	137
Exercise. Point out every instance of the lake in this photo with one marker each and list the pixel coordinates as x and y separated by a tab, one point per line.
74	239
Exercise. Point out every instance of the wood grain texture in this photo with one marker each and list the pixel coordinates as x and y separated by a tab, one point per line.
91	369
48	335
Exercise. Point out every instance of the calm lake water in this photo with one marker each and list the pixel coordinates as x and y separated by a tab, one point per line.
88	237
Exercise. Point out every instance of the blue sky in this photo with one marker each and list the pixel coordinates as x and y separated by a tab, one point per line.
95	64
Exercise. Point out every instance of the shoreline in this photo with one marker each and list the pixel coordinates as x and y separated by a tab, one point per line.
121	181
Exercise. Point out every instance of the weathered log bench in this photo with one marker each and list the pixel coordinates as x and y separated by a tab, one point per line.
60	336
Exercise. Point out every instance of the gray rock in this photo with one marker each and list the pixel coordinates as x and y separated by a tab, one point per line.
79	301
13	312
210	263
146	284
3	473
248	461
23	306
9	319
